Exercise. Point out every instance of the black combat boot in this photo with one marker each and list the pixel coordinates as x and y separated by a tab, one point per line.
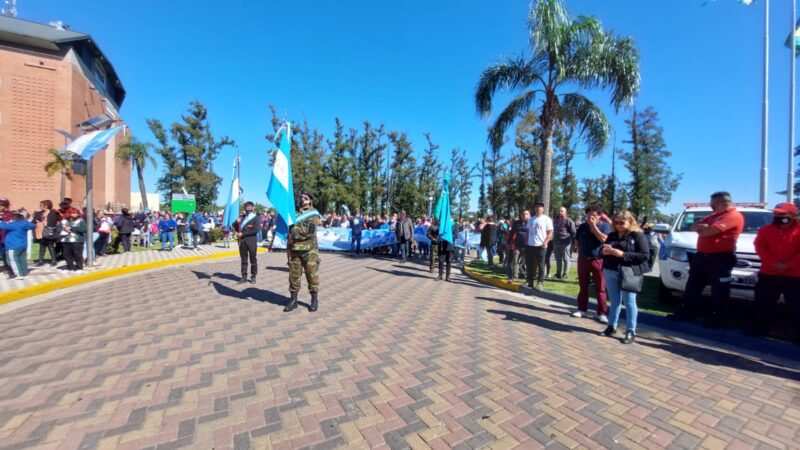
242	280
292	305
314	302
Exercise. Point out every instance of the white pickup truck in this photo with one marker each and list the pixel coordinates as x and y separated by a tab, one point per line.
681	241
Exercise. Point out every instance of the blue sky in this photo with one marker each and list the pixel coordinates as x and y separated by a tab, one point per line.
413	65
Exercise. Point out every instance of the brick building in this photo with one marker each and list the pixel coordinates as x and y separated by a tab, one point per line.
54	78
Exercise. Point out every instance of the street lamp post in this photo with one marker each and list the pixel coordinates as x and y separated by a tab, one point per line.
430	205
762	192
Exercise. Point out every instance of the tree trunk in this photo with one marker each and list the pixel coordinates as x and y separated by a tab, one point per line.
546	171
142	188
63	184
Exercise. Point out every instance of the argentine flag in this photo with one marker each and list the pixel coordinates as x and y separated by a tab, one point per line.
232	207
90	143
442	212
280	191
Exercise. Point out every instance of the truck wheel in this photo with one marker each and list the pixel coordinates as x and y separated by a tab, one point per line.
665	294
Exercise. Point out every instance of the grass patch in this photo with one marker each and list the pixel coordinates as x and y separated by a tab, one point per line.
647	300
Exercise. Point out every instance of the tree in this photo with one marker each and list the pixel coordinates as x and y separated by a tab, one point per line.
461	176
652	181
137	153
483	205
189	150
60	164
428	174
339	168
403	191
565	53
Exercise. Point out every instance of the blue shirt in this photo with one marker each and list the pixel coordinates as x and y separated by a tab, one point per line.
16	234
165	225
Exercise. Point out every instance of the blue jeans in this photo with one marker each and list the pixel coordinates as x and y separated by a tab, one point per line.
166	237
617	295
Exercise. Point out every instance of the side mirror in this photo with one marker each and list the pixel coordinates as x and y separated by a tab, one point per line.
662	228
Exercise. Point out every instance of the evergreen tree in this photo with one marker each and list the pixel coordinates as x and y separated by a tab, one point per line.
652	181
339	169
403	191
428	174
461	176
188	159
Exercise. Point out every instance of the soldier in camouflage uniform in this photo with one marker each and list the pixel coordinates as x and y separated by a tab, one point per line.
303	253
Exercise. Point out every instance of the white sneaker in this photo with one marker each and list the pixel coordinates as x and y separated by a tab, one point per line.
602	318
578	314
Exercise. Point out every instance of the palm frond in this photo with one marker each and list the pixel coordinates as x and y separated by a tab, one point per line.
512	74
58	163
608	61
589	119
514	110
546	22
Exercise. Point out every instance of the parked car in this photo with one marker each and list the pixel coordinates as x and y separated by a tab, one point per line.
681	242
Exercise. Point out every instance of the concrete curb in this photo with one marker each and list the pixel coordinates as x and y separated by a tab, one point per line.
49	286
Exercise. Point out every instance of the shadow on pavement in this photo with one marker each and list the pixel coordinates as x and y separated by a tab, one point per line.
401	273
277	268
552	310
540	322
717	358
251	293
412	267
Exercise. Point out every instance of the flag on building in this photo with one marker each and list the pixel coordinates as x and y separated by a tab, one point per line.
442	212
232	207
90	143
280	191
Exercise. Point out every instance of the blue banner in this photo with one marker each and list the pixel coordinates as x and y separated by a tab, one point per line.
338	239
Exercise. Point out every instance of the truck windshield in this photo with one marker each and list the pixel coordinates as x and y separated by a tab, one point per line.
753	220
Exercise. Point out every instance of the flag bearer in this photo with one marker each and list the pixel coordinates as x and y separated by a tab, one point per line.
247	227
303	252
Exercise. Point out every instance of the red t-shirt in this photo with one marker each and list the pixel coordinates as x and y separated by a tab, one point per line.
730	224
779	245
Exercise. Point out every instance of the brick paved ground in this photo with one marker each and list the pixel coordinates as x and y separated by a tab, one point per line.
185	358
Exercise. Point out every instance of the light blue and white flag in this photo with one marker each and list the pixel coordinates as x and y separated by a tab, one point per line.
232	207
90	143
442	212
280	191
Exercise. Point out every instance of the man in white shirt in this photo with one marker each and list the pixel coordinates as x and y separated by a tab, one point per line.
540	232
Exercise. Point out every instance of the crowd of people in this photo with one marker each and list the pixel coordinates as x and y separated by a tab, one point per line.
62	233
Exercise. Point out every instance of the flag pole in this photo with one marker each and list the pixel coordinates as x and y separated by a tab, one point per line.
792	86
762	194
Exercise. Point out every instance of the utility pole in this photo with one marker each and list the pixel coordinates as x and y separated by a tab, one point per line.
762	193
614	172
89	215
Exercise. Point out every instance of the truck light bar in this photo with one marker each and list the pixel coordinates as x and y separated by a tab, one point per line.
739	204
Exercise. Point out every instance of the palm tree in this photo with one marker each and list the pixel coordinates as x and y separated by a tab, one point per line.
565	53
137	153
61	163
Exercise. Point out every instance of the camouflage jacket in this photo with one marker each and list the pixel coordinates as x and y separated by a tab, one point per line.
303	234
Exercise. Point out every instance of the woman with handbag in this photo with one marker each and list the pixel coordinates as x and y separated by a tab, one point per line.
626	253
50	222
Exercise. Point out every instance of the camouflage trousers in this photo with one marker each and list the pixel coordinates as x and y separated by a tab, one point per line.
307	262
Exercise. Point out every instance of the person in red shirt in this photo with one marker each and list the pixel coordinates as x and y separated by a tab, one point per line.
712	264
778	246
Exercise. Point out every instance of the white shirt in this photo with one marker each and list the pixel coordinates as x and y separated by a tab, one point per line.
537	230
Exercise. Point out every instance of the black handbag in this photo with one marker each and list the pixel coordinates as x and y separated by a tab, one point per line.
629	280
50	233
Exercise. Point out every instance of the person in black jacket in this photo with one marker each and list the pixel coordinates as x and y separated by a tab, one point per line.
125	226
51	220
247	227
489	239
626	254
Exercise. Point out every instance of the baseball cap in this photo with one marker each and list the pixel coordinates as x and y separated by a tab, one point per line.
785	208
